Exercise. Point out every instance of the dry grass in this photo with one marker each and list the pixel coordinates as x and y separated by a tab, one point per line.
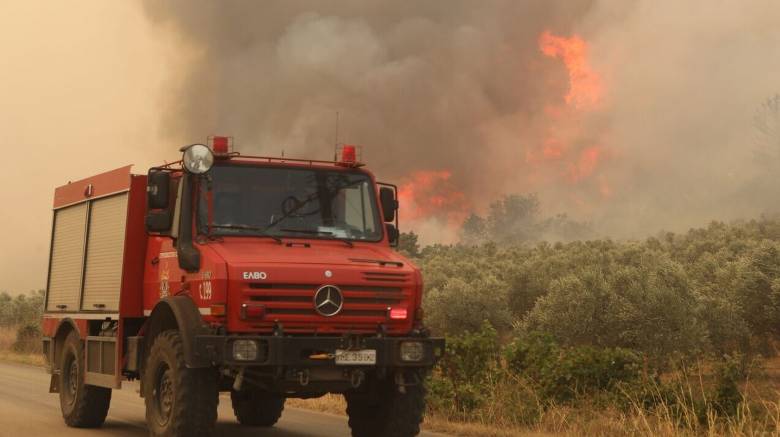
7	337
334	404
7	354
440	424
756	417
757	420
679	417
330	403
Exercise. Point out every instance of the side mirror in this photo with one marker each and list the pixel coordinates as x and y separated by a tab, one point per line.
389	203
158	189
159	214
392	234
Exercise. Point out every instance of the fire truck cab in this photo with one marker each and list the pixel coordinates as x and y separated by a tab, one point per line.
267	278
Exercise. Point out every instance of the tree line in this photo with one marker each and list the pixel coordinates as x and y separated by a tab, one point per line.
713	290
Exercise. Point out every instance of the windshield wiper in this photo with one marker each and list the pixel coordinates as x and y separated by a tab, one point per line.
260	232
315	232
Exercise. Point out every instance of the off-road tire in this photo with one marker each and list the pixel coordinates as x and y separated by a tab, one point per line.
82	405
389	413
180	402
257	408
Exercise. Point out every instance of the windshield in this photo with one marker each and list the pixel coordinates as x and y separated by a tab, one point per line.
289	202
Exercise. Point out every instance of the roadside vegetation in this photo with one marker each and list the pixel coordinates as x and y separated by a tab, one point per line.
20	327
672	335
675	334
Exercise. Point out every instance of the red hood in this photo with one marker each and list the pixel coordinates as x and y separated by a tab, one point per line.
268	251
293	273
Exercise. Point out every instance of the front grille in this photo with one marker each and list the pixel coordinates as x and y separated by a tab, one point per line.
265	286
366	288
346	312
294	302
289	311
280	298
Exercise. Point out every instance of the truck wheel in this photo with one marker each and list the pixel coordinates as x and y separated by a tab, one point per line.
82	405
257	408
389	413
180	402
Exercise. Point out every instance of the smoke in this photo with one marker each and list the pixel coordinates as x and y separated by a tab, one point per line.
634	115
491	95
417	84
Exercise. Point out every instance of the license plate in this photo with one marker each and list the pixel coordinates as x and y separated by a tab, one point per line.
352	358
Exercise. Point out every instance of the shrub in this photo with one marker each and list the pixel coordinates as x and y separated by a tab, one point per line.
21	309
641	300
408	245
28	339
463	305
463	375
565	373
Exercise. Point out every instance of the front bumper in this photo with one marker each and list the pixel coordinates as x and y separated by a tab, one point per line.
277	351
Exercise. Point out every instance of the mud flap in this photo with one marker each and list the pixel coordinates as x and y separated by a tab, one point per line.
54	384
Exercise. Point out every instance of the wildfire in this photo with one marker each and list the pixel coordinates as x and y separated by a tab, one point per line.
586	164
565	146
432	193
585	88
567	153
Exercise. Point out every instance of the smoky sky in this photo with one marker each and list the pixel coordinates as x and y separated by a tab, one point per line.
682	133
462	86
78	96
412	82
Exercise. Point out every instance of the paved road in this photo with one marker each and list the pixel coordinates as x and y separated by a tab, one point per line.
27	409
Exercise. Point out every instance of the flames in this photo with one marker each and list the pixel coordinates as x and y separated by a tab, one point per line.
566	155
585	87
433	194
579	155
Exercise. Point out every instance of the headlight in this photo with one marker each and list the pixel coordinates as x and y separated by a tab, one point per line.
245	350
412	351
198	158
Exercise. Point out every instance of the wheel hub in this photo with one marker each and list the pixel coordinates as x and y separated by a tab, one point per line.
73	375
165	393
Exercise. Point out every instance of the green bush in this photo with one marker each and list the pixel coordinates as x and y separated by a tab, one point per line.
463	305
711	291
640	300
563	374
598	322
730	371
463	376
408	245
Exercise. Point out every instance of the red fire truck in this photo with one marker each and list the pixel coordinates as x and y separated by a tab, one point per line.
268	278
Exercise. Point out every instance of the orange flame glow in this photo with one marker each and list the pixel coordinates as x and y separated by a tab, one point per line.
572	154
585	88
567	153
586	164
432	193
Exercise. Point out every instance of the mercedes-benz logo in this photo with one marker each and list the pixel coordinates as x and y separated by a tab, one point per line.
328	300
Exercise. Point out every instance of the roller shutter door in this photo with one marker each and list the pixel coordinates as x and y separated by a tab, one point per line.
105	250
67	258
